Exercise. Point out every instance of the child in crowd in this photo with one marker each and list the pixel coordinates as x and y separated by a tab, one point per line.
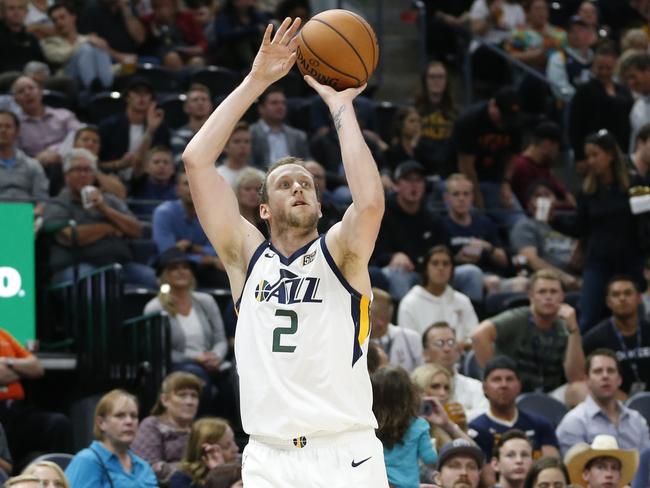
403	432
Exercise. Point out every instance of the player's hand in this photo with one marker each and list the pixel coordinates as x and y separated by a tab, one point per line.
276	57
330	96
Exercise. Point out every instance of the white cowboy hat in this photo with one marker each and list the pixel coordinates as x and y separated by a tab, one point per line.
577	458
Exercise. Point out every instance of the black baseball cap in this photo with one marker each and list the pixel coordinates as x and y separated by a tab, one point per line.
462	447
407	167
508	102
173	255
500	362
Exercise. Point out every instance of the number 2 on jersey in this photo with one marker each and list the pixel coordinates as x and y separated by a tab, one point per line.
279	331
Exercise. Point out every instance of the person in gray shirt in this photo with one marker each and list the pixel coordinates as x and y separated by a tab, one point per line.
543	247
601	412
21	177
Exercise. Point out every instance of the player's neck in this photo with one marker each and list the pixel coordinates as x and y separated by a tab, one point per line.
290	240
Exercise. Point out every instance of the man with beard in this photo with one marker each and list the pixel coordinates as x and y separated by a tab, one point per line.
303	299
543	339
602	412
512	458
626	333
459	465
535	163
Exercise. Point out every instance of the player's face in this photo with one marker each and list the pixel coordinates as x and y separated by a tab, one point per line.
229	447
623	299
182	405
121	425
292	200
502	387
603	379
546	296
603	472
460	196
550	478
442	347
515	459
460	472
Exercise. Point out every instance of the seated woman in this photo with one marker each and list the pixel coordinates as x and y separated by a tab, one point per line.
199	344
162	437
211	444
247	188
109	462
50	474
435	381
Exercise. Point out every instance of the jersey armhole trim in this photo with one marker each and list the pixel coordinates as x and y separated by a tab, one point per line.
336	270
256	255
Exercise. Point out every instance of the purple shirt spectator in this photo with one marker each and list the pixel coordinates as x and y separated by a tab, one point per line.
161	445
52	131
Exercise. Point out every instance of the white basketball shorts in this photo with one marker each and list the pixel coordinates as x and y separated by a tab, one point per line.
352	459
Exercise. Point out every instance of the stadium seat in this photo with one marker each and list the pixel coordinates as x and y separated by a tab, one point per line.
175	116
57	99
385	114
641	403
144	250
471	367
104	105
543	405
61	459
134	300
220	81
162	79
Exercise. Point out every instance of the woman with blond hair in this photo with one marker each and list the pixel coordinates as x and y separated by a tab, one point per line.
435	381
211	443
162	437
109	462
49	473
247	188
198	338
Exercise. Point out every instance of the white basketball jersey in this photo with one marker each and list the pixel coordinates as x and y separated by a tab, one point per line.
301	344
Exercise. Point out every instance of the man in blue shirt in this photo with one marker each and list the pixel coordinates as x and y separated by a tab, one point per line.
501	385
175	224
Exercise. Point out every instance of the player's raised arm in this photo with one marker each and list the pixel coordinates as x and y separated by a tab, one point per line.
216	204
356	234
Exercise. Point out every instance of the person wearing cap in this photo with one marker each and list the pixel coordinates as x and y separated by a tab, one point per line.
459	464
512	457
601	103
535	162
543	339
408	230
626	332
543	247
601	464
502	385
487	135
198	339
571	66
601	412
127	136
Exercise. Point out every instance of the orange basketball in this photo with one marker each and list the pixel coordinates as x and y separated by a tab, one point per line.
338	48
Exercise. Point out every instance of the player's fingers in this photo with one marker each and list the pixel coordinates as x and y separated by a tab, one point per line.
291	31
293	44
279	34
267	34
292	59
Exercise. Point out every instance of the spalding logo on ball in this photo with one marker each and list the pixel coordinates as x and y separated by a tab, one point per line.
338	48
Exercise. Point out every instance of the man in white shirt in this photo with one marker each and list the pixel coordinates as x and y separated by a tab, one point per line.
439	345
272	138
402	346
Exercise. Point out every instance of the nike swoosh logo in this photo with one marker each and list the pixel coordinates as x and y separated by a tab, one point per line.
354	465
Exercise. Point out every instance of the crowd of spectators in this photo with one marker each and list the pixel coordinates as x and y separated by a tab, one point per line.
512	258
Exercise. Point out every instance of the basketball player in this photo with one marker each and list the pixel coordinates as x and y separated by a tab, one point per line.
303	300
